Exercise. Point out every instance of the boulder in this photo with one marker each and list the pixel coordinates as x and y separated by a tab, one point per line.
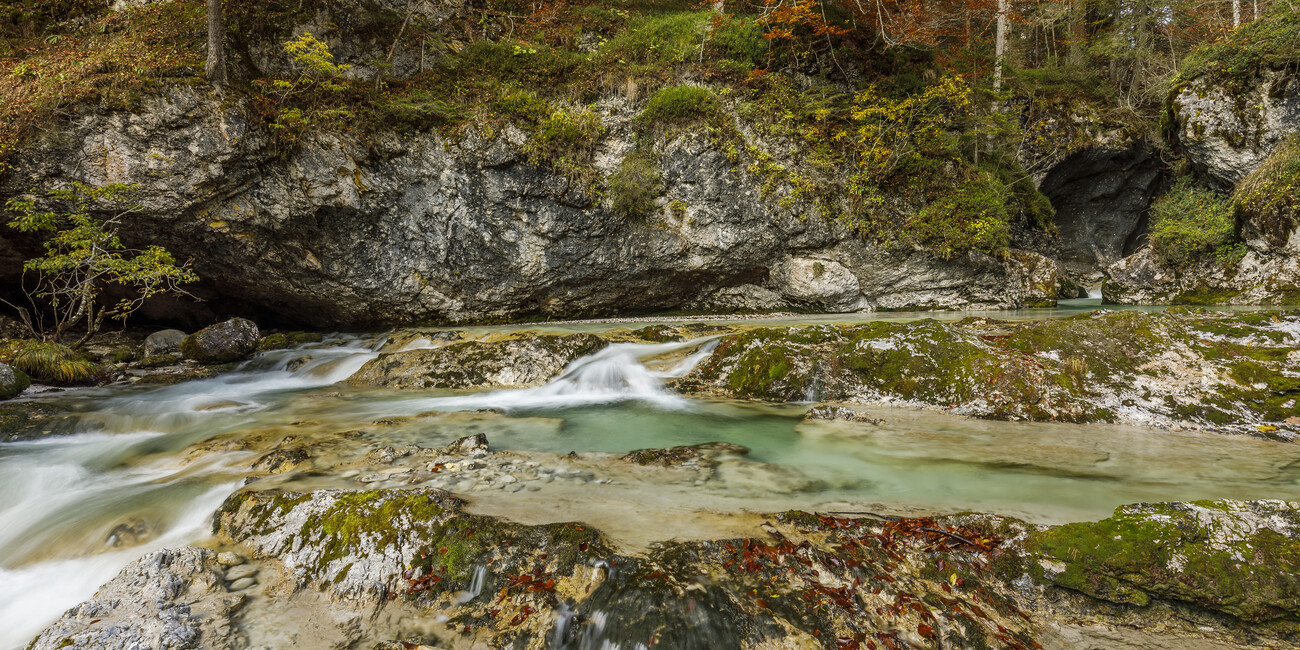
12	381
163	342
232	340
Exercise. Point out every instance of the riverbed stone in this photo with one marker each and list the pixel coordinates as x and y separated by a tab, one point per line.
224	342
12	381
528	360
163	342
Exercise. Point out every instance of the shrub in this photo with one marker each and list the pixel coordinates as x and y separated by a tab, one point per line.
1270	197
974	217
1190	223
739	40
566	141
680	105
634	188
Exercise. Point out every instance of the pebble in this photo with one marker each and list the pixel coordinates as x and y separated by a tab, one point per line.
241	571
242	584
229	559
507	479
515	488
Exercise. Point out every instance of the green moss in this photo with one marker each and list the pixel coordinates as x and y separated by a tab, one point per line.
1193	552
679	106
1269	198
635	186
282	340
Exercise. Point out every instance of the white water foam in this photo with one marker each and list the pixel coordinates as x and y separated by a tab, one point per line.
33	596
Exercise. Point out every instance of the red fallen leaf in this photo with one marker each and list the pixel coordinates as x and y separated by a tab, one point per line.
656	574
494	612
845	643
875	590
871	645
945	587
817	632
583	547
466	630
442	551
761	603
925	631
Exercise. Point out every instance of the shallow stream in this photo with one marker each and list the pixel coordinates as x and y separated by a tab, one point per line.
75	509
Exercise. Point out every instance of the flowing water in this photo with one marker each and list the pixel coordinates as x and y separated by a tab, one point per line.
76	509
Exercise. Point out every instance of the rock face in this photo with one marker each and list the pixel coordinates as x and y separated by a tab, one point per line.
515	363
12	381
340	232
170	600
163	342
224	342
1101	195
1227	132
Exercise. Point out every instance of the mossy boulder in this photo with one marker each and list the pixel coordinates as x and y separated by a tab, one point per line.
231	340
525	361
12	381
1239	558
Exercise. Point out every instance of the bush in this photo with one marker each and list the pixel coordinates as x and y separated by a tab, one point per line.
974	217
739	40
1189	224
680	105
566	142
634	188
1270	197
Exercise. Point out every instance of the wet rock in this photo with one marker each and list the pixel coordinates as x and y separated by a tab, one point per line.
129	533
1145	368
837	413
467	445
520	362
825	283
163	342
242	584
694	455
32	420
1239	558
239	571
282	460
12	381
658	333
282	340
231	340
169	600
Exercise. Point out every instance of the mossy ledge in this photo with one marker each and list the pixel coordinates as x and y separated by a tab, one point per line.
1182	367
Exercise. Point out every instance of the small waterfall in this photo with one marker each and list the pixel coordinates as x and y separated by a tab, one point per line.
475	585
1094	293
616	373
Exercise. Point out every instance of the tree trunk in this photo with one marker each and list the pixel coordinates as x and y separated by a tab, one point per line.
216	68
1236	14
1000	46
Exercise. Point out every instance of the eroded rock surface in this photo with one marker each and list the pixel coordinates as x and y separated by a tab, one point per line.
1202	368
526	361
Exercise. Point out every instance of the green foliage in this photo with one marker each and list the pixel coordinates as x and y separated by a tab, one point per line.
566	141
319	75
83	255
523	107
664	38
1189	224
50	362
1270	197
680	105
635	186
739	40
1273	41
974	217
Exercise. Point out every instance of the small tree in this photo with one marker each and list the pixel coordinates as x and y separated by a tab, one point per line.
83	256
